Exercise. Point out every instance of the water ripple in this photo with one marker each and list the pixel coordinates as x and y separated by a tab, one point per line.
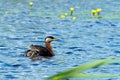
80	41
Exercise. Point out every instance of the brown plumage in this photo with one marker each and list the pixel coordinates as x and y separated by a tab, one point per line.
37	51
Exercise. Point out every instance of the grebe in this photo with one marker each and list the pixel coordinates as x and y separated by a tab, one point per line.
37	51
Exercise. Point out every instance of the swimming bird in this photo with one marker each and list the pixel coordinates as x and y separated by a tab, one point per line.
37	51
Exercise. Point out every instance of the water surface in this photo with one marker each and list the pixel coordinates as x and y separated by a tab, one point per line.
80	41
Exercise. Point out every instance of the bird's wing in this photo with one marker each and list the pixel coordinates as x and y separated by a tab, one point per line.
43	51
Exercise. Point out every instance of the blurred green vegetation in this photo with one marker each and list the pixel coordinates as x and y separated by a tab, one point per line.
78	71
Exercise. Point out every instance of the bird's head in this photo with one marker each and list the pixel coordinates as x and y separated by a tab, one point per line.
50	38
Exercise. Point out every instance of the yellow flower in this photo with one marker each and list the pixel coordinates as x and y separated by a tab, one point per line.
62	16
93	11
98	10
31	3
72	9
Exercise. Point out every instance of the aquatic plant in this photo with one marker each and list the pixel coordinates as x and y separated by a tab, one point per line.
31	5
66	14
6	12
62	16
74	18
96	13
78	71
69	14
71	11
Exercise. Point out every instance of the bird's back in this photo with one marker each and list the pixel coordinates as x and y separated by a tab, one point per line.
42	51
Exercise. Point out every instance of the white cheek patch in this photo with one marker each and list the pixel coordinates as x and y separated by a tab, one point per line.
48	39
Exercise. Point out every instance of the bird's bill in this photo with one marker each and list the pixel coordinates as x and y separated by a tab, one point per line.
55	39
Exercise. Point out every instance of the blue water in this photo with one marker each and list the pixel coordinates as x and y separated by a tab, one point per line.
83	40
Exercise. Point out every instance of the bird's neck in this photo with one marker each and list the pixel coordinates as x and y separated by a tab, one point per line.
49	46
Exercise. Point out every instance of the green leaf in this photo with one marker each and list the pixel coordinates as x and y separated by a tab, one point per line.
75	72
81	75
